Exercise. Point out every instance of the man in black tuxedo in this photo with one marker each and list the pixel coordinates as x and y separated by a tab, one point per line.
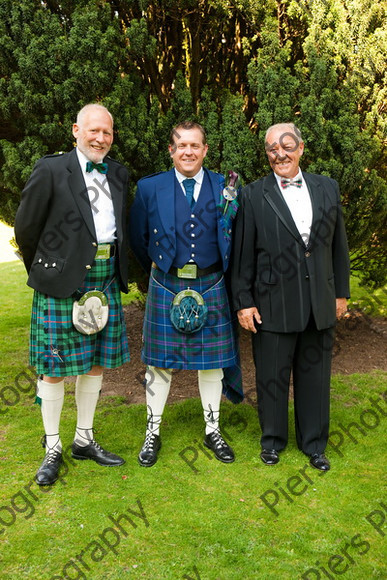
290	280
71	231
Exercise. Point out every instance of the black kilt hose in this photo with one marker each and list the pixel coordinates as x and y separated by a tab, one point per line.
212	347
57	349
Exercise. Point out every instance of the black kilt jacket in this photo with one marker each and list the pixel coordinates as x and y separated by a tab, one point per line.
54	225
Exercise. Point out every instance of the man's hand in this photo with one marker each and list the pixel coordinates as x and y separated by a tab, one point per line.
341	307
246	318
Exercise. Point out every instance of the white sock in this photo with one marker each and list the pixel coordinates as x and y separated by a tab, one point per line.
87	389
52	397
158	383
210	388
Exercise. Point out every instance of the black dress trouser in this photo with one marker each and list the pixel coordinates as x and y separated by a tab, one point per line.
308	355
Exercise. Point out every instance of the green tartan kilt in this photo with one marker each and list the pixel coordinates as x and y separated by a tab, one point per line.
57	349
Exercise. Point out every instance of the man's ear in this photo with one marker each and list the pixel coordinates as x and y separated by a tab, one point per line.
301	148
75	130
172	149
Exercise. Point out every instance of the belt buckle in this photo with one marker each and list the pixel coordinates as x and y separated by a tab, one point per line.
188	271
103	252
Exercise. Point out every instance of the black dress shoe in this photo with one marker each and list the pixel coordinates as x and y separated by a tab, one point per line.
149	451
47	473
319	461
269	456
95	452
217	444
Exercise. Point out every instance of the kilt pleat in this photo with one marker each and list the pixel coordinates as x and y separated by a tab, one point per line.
212	347
57	349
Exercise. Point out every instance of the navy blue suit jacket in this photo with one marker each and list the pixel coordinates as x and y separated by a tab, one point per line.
152	220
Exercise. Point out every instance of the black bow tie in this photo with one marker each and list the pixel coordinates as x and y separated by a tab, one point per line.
101	167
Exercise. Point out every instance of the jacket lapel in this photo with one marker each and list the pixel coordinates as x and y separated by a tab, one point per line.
317	198
275	199
117	193
165	197
217	184
79	191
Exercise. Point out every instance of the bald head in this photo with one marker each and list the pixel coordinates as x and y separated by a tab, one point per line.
90	108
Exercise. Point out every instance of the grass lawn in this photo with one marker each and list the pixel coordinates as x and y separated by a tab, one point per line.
189	516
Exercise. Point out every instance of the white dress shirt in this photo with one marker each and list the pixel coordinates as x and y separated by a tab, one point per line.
100	200
299	204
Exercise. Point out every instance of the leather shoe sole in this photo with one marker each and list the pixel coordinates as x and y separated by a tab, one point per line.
269	456
319	461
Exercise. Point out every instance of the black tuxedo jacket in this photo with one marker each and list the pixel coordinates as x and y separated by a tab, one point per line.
54	225
272	268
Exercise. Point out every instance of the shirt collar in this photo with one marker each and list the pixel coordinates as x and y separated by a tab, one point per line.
82	159
198	177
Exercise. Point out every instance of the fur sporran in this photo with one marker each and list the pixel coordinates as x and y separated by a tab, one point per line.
91	312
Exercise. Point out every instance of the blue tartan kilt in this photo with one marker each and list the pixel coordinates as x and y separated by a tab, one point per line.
57	349
212	347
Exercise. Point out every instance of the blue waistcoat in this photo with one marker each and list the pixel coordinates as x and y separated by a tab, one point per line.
196	228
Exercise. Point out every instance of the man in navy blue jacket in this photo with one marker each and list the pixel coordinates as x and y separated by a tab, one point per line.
181	233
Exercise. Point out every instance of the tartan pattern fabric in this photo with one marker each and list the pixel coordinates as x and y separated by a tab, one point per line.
57	349
210	348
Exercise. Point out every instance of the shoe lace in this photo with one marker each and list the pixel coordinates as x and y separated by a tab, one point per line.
210	418
152	423
87	436
94	443
51	456
150	440
218	439
53	452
